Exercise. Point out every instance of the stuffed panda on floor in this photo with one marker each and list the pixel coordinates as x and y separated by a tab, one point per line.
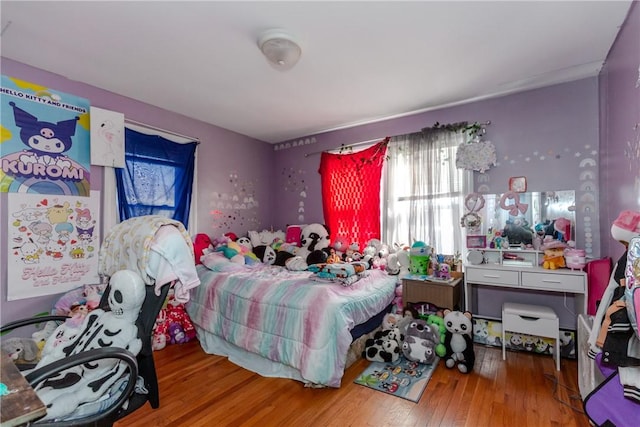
459	340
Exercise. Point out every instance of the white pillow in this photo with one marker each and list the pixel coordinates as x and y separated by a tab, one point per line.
265	237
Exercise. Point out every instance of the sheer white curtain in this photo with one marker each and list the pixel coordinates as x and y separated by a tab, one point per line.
423	191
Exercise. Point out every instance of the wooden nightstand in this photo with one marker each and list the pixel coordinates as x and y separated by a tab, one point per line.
442	294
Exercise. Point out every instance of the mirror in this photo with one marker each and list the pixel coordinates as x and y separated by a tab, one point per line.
525	219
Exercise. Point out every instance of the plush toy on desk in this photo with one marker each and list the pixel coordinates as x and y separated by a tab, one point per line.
443	271
419	256
553	259
458	340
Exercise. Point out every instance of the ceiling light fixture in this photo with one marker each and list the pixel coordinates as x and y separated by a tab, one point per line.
280	49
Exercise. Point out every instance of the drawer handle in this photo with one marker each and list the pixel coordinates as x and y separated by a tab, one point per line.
552	281
489	276
529	318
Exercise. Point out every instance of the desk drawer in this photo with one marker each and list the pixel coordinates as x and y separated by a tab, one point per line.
554	282
492	276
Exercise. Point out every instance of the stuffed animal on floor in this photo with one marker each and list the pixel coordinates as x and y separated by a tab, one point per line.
173	313
63	393
21	350
420	342
390	334
381	350
458	340
393	320
438	321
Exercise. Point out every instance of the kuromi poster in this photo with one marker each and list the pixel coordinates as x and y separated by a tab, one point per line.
53	243
45	140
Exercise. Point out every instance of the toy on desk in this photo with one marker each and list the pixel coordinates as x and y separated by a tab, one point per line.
419	256
443	271
553	259
553	254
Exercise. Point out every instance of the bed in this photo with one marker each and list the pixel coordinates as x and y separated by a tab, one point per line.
283	323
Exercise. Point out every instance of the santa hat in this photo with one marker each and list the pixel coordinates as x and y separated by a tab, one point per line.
626	226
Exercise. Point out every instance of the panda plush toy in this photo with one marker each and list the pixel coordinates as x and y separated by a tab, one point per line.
314	244
459	340
268	255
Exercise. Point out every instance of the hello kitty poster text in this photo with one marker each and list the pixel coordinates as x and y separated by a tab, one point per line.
53	243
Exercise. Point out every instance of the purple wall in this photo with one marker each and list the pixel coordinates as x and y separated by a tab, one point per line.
620	130
230	166
549	135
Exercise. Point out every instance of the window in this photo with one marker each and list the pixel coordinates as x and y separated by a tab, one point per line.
423	190
157	177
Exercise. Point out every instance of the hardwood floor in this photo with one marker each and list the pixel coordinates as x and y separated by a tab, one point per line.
197	389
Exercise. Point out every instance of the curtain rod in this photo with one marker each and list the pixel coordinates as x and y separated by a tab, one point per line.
144	125
355	144
482	125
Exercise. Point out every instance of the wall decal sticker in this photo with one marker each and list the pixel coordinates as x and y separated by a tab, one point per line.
294	182
236	209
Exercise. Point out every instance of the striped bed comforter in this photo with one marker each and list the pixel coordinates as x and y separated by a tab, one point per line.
286	316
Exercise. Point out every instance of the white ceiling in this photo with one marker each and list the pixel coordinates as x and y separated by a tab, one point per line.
362	61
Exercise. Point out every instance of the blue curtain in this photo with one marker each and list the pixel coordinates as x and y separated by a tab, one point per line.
157	177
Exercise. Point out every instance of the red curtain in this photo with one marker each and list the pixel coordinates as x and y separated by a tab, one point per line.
351	193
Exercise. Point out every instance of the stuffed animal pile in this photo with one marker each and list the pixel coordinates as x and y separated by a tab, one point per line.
385	346
405	335
311	245
173	324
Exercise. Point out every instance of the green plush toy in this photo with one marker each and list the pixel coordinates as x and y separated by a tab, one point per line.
434	319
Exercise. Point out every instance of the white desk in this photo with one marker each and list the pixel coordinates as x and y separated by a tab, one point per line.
535	279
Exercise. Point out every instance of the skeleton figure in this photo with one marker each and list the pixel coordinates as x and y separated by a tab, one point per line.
115	328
